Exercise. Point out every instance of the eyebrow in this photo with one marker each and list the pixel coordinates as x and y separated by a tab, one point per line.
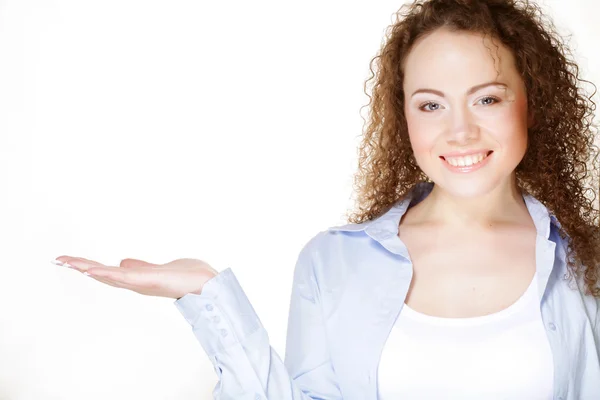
470	91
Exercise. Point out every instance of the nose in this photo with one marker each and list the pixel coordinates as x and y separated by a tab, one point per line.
462	127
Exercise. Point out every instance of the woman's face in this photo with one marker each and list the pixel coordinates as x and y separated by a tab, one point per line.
450	108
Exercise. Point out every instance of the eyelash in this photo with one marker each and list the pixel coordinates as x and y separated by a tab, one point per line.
496	100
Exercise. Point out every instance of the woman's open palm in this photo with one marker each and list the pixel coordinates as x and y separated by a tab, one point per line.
174	279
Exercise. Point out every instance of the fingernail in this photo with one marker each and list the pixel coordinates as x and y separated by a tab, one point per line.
56	262
68	265
87	274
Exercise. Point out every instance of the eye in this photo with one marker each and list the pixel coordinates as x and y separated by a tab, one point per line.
429	103
487	98
431	106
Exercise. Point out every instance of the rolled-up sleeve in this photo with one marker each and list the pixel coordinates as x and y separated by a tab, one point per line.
230	332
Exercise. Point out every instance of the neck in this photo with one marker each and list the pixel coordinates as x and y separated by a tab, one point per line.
504	204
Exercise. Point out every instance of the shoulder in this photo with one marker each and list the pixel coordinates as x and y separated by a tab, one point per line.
333	254
570	286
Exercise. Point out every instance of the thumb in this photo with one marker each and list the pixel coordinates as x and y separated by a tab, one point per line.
132	262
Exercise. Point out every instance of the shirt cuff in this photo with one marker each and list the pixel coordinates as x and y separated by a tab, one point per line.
221	316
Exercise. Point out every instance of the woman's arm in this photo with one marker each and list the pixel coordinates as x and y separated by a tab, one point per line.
227	327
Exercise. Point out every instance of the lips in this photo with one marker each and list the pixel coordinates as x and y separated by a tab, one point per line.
457	154
455	166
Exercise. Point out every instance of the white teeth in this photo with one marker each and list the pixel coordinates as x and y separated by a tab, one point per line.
466	160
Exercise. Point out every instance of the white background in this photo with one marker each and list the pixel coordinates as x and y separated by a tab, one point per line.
225	131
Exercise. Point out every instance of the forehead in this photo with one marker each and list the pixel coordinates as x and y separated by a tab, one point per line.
454	59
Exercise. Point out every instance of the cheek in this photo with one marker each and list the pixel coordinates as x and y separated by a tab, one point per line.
421	134
514	125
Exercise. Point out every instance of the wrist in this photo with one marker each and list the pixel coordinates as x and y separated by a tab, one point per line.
209	275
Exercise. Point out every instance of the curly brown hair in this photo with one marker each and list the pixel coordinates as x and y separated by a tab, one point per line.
560	167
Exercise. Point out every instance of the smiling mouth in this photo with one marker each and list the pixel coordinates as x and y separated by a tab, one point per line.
487	154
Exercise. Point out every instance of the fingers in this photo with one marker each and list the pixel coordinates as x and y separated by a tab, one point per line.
132	262
106	281
107	276
145	280
81	259
131	277
79	263
83	264
124	278
113	283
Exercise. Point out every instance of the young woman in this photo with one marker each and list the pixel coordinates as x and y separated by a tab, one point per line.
455	279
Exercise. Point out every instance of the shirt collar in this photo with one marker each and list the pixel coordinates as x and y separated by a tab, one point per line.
386	225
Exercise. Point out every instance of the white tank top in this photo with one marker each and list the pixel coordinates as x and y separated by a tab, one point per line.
504	355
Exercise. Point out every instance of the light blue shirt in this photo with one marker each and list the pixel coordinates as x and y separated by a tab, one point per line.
349	286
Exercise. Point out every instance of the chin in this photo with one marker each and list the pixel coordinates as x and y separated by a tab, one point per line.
467	188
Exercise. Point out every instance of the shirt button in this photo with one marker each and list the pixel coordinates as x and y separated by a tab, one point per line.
257	397
552	326
216	319
209	307
223	332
